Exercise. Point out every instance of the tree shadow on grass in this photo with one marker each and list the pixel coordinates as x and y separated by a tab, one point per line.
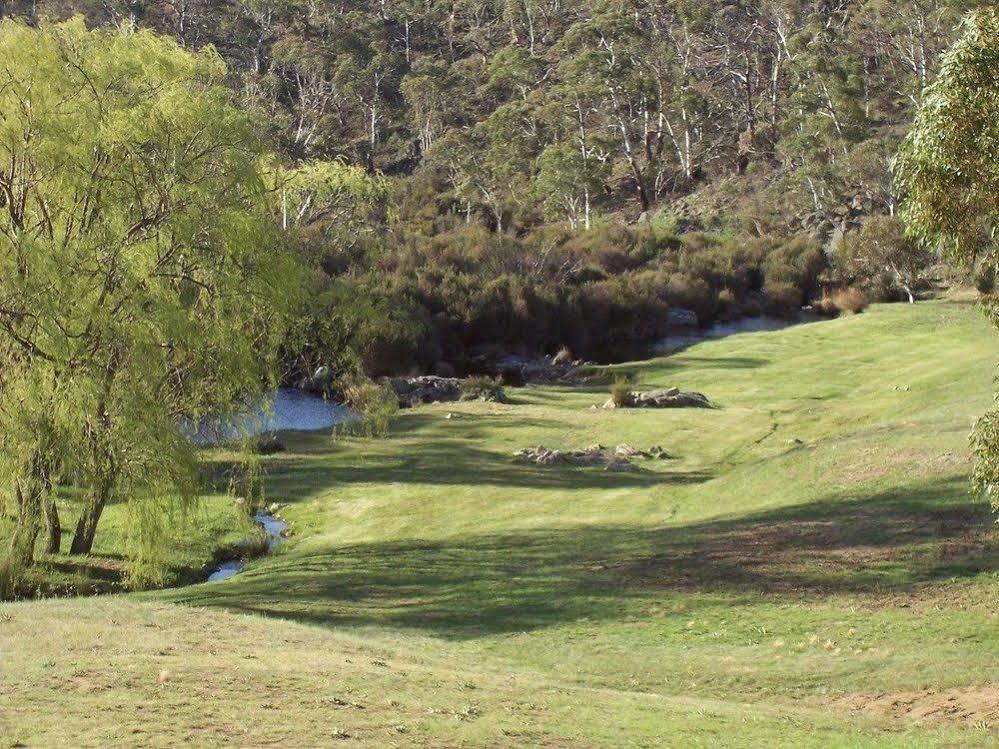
454	462
884	544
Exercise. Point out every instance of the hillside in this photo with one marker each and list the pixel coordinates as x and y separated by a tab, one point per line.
808	570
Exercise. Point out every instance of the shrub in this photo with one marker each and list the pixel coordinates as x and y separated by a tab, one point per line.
482	388
827	307
850	300
267	444
692	293
728	305
620	392
781	299
985	279
377	404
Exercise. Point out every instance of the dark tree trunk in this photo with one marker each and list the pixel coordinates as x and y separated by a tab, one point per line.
22	541
86	527
53	529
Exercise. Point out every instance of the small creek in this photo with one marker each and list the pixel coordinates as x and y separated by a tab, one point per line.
286	410
273	527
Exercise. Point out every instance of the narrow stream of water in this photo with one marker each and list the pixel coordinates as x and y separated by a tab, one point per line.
273	527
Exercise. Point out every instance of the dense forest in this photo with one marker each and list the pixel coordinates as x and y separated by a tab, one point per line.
533	174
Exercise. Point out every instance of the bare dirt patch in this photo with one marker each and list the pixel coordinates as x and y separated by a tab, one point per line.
975	706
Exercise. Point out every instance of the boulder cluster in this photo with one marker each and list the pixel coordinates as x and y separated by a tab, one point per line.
669	398
514	369
425	389
433	389
618	459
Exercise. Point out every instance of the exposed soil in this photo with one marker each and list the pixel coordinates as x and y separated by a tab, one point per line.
972	706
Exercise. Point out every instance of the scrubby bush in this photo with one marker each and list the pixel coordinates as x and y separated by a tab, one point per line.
375	406
620	391
482	388
850	300
883	260
985	279
781	299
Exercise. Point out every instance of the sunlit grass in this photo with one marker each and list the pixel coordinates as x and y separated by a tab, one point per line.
811	549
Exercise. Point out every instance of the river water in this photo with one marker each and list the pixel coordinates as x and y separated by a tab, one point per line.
684	338
286	409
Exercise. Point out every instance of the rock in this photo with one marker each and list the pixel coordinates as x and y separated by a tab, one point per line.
668	398
678	317
620	465
425	389
521	370
594	455
658	453
671	398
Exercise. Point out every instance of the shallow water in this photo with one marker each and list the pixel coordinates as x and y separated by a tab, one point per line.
273	527
682	339
287	409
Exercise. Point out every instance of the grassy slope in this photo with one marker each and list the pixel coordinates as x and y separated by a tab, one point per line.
809	570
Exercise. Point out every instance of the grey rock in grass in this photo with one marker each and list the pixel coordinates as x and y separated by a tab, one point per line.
667	398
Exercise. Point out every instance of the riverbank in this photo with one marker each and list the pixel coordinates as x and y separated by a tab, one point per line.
807	568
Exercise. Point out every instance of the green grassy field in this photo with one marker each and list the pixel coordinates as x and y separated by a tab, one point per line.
809	570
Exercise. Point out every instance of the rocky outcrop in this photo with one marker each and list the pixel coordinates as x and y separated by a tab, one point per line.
618	459
433	389
521	370
425	389
669	398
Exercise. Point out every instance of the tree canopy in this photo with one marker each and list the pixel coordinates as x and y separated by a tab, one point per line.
948	173
142	281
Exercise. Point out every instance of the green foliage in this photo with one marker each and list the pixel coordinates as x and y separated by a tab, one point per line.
483	388
948	173
880	250
375	405
141	281
946	167
620	391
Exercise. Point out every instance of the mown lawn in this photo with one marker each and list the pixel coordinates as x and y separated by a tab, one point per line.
808	570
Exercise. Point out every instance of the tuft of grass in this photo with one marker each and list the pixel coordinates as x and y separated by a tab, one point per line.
620	391
850	300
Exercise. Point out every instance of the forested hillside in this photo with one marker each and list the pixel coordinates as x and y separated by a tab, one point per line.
540	173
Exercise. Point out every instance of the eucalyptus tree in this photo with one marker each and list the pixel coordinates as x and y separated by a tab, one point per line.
949	177
141	279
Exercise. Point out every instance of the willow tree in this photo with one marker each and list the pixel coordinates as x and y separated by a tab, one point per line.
141	280
948	174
